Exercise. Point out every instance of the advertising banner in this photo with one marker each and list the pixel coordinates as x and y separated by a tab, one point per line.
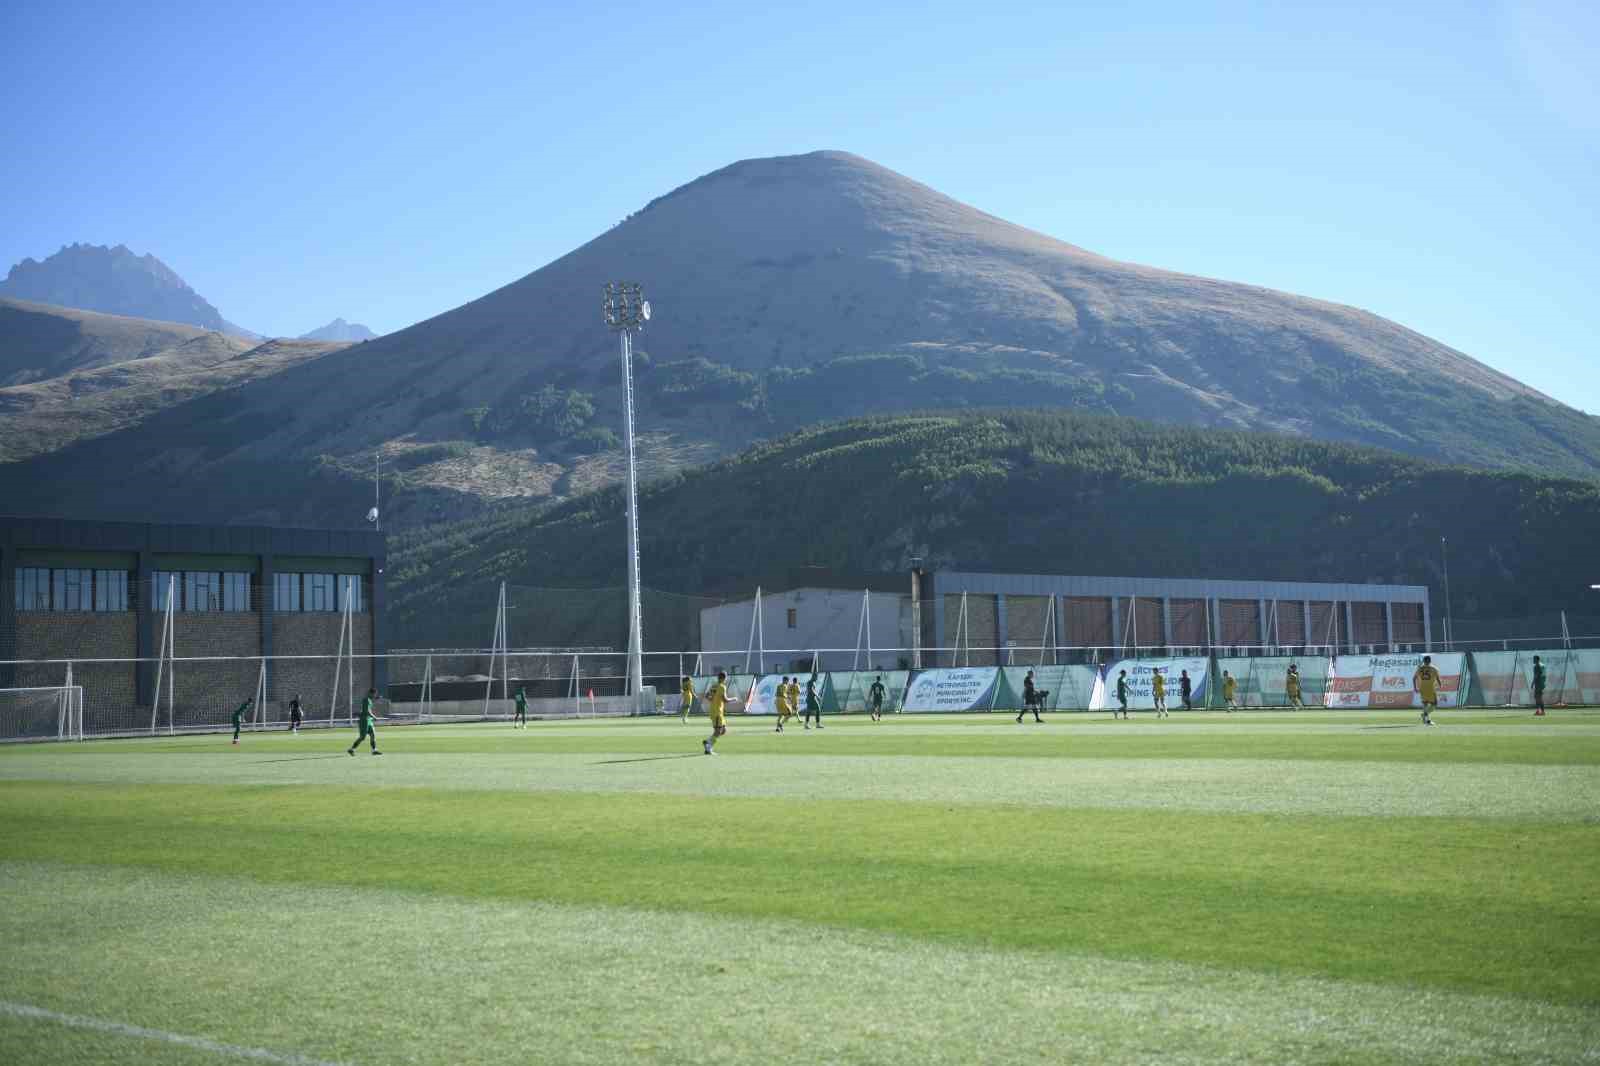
1067	687
763	699
971	689
850	689
1383	681
1140	678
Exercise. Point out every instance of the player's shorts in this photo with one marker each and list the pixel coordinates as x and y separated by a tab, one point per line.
719	719
1430	701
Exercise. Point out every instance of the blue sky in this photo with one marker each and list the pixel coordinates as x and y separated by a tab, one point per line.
1434	163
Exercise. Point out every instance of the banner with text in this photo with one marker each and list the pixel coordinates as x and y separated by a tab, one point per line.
1381	681
1140	679
762	699
971	689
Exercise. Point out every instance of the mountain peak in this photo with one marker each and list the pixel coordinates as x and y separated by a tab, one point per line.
112	280
339	330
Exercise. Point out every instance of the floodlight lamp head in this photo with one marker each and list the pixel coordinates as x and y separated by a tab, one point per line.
372	514
626	309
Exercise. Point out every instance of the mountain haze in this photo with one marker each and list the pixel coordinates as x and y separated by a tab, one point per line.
787	291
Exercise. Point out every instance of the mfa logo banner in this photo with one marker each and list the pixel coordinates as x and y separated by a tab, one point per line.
1140	679
971	689
1357	681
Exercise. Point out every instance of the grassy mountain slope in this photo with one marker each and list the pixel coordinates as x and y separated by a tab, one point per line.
1037	491
47	416
40	341
800	288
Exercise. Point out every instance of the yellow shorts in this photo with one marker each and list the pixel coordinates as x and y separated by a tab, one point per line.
719	719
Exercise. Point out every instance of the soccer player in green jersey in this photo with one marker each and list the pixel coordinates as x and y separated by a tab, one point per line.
875	696
1122	694
367	718
813	705
238	717
1538	686
522	709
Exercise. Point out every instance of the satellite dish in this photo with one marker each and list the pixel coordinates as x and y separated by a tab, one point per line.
644	310
372	514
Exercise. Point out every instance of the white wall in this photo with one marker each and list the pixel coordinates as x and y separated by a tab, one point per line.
824	619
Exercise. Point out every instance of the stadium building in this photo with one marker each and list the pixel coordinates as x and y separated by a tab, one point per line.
80	590
988	619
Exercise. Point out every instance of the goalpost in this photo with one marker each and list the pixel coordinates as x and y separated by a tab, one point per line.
53	712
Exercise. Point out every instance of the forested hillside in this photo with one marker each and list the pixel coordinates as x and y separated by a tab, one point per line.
1043	491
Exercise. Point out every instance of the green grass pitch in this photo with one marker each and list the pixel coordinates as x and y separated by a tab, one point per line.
1260	887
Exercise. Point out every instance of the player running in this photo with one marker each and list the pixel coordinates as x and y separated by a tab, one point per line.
1185	690
813	705
687	692
368	732
1158	693
780	700
522	709
1426	683
238	717
1538	687
1291	687
295	715
875	696
1230	689
716	702
1122	694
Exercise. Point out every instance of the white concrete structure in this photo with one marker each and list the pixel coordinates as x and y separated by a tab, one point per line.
796	623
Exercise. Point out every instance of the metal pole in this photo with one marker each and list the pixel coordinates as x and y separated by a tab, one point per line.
635	617
1449	616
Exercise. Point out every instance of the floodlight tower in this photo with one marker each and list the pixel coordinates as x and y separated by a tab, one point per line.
626	312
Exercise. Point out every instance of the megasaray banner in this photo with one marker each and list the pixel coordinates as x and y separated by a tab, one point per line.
970	689
1357	681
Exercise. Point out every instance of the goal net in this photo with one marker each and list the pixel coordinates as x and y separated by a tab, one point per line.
54	713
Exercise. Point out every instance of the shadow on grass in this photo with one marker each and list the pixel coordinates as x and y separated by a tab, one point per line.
300	758
654	758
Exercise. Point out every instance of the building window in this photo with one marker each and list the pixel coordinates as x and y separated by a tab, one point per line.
793	618
71	589
235	592
286	592
350	585
33	588
111	590
161	583
202	590
320	593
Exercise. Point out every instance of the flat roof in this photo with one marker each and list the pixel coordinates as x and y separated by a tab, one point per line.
950	582
25	532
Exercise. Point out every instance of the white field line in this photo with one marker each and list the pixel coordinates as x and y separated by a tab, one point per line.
78	1021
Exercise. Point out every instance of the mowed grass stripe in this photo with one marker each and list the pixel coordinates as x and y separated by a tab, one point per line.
370	976
1462	738
1520	791
1483	905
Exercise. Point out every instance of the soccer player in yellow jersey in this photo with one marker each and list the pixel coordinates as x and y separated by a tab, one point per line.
1230	691
1291	687
794	696
1426	683
716	703
688	698
1158	692
780	699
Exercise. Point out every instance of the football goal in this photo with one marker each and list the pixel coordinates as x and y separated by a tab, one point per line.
53	713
